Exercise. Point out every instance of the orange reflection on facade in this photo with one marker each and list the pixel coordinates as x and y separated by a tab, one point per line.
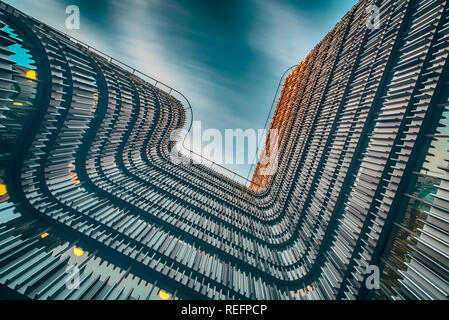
281	122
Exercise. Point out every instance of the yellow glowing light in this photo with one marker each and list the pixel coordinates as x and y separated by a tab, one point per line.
17	103
2	190
78	252
44	235
164	295
74	178
31	74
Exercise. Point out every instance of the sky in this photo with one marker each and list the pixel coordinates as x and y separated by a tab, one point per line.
226	56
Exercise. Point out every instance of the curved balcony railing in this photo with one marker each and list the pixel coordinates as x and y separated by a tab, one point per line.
269	116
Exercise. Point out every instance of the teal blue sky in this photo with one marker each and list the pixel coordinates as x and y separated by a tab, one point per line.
225	56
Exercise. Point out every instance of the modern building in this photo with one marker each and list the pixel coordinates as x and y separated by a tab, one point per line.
91	207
